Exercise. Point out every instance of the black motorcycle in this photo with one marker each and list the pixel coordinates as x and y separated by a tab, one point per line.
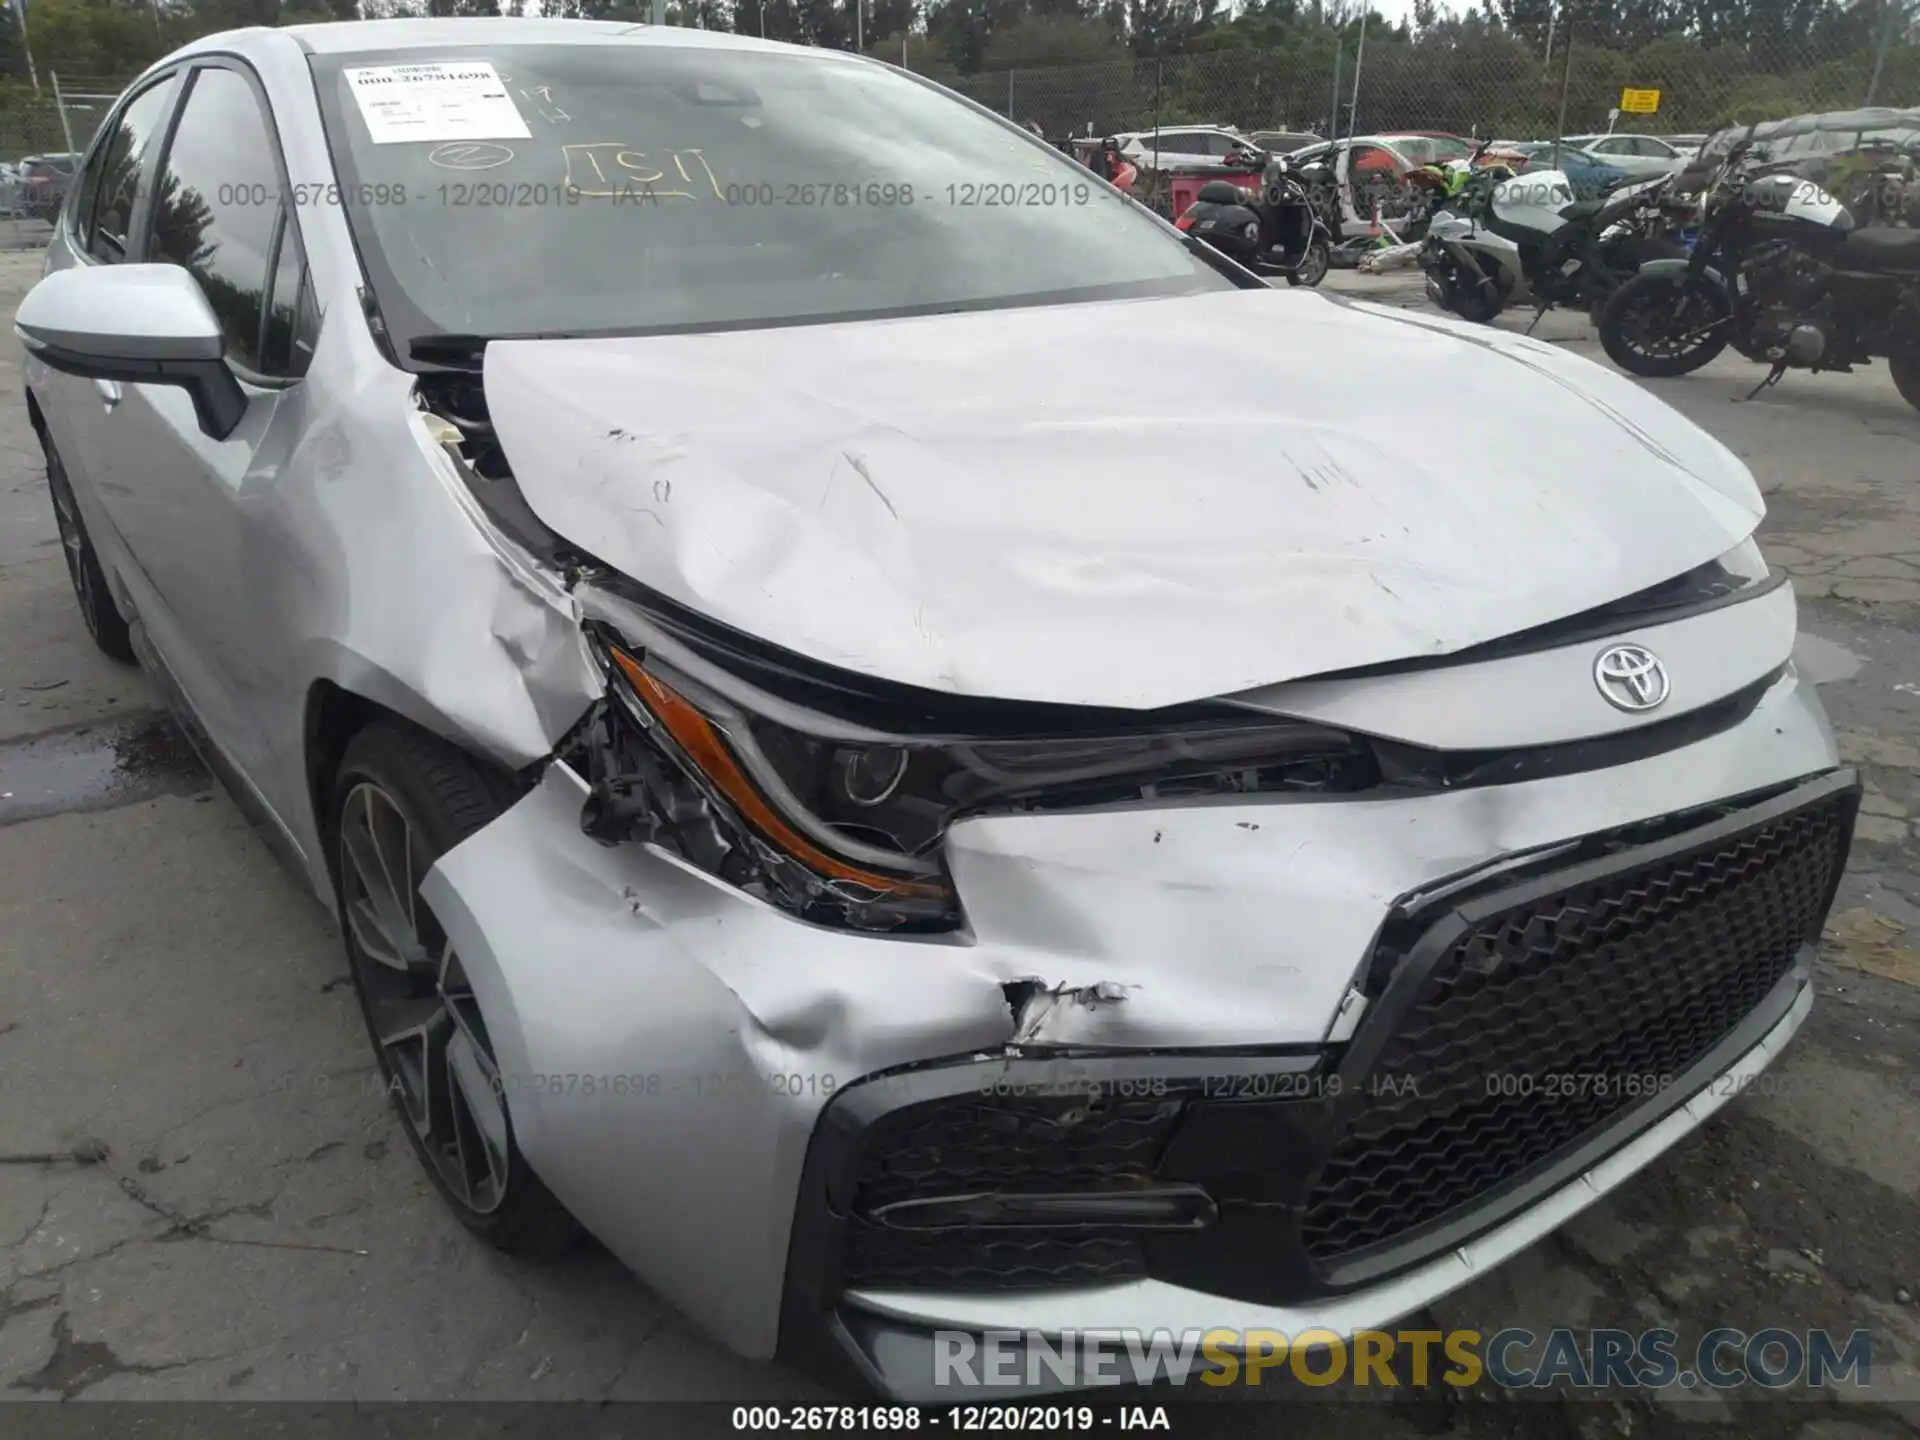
1275	230
1780	273
1488	234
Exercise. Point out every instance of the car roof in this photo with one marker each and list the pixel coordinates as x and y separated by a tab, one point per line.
346	37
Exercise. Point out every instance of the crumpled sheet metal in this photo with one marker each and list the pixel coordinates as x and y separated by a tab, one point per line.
980	504
1205	926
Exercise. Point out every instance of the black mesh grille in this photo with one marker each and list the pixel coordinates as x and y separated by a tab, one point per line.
1542	1022
973	1143
900	1259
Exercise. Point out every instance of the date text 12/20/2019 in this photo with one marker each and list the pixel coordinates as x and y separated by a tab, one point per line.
959	1419
1003	195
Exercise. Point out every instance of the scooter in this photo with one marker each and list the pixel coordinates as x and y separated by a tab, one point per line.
1276	230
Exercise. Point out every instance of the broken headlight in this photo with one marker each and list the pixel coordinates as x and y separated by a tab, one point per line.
842	824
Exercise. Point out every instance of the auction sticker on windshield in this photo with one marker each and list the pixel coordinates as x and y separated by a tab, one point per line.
465	101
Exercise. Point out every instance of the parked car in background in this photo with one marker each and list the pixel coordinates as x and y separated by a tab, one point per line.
1371	171
1285	142
1644	157
1589	175
1174	146
10	190
884	865
1431	147
44	181
1689	144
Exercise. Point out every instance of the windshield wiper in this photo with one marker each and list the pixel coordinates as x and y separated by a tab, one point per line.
452	352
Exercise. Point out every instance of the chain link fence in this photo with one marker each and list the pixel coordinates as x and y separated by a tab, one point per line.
1492	85
60	115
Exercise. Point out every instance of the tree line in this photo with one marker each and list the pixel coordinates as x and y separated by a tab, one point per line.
960	38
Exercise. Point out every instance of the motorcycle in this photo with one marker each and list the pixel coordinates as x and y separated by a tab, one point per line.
1278	229
1783	275
1494	232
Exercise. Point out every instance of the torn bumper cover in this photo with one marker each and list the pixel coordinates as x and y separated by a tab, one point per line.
1233	1063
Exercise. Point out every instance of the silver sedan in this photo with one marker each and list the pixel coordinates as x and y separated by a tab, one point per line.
822	791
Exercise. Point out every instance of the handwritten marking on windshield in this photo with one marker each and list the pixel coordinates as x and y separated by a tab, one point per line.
469	155
609	169
541	98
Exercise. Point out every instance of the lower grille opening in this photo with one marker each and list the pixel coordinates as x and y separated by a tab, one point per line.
1017	1144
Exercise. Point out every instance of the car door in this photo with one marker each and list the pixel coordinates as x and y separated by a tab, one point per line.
1177	148
1657	156
219	208
1625	153
95	230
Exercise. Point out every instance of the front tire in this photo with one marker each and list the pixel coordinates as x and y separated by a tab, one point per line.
1906	378
401	800
1659	327
98	609
1469	299
1313	265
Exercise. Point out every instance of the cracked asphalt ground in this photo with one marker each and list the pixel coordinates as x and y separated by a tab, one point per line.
260	1230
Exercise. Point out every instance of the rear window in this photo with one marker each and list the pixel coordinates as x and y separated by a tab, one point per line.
631	187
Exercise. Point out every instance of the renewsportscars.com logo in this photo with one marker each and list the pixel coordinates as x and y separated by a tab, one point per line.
1774	1358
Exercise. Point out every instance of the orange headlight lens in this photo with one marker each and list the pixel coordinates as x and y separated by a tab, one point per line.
707	749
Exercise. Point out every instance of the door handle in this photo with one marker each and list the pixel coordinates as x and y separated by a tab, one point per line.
109	391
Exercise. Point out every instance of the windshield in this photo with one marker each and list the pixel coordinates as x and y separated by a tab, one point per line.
630	187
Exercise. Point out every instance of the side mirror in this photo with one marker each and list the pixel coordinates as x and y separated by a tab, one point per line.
138	324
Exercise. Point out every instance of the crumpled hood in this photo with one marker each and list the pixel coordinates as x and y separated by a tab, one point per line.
1128	504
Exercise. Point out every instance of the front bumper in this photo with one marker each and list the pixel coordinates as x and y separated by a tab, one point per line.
893	1340
704	1081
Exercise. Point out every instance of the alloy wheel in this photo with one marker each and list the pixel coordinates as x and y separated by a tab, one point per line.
433	1046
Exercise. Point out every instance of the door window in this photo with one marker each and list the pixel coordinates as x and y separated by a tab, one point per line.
218	204
287	324
107	190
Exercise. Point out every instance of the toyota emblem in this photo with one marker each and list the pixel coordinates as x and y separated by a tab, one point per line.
1631	678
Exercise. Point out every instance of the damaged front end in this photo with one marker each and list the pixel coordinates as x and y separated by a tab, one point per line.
818	791
841	821
972	1013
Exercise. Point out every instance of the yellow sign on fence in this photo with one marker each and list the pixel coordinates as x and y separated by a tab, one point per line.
1640	102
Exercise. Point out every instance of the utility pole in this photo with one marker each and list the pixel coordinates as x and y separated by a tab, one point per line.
1566	83
1339	57
61	105
19	8
860	26
659	12
1359	59
1895	12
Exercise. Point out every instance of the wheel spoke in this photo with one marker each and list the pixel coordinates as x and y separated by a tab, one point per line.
372	905
413	1035
393	842
370	935
479	1121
